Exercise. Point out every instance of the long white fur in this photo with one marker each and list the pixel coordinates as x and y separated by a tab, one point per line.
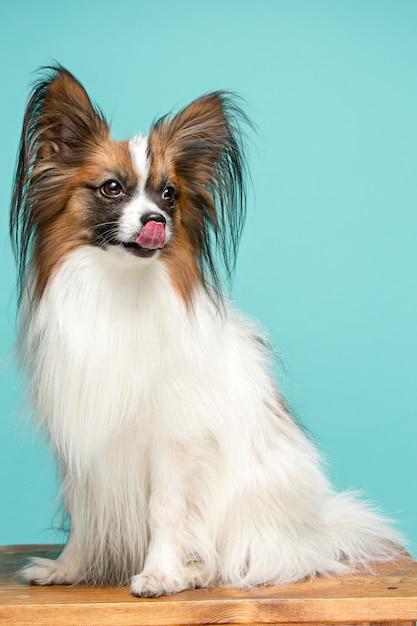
181	466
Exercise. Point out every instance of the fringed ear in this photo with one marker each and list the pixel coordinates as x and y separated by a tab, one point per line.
60	127
204	145
61	119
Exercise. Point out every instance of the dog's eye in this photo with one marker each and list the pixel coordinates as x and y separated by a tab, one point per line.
111	189
168	194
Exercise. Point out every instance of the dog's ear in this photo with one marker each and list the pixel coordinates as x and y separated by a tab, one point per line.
203	146
195	139
61	128
60	119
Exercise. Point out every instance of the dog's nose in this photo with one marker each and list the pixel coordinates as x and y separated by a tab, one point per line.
153	217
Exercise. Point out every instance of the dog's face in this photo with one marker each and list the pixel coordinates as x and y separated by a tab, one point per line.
174	193
119	201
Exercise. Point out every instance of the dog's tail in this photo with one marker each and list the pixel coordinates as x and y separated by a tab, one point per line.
358	534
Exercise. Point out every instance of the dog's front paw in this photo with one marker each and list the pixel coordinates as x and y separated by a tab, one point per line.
152	584
48	572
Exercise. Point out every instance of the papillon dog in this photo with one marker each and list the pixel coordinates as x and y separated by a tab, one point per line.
181	464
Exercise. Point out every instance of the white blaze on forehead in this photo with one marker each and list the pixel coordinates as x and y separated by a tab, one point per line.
130	223
138	148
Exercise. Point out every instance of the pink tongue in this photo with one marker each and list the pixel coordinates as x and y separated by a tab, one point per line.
152	236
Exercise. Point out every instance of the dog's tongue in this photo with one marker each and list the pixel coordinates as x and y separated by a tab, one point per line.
152	236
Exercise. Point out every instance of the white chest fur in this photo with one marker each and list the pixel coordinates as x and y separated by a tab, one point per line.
103	345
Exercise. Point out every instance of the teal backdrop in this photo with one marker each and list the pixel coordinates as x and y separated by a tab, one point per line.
328	261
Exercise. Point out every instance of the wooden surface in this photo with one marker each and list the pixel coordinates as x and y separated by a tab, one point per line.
390	596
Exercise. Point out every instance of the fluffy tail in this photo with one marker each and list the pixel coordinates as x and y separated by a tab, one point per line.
358	534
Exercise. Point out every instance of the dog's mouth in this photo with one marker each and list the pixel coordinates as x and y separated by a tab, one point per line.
151	238
137	250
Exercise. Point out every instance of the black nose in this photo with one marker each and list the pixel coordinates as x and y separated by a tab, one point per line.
152	217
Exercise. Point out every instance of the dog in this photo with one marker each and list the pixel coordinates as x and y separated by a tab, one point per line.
181	464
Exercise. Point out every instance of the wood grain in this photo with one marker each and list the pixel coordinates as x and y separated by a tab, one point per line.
388	596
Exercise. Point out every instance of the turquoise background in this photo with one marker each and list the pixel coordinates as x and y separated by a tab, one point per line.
328	261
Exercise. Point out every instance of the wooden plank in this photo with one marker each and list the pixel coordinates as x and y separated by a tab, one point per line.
388	596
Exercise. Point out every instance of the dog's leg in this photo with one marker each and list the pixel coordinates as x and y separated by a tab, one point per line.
65	570
165	571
